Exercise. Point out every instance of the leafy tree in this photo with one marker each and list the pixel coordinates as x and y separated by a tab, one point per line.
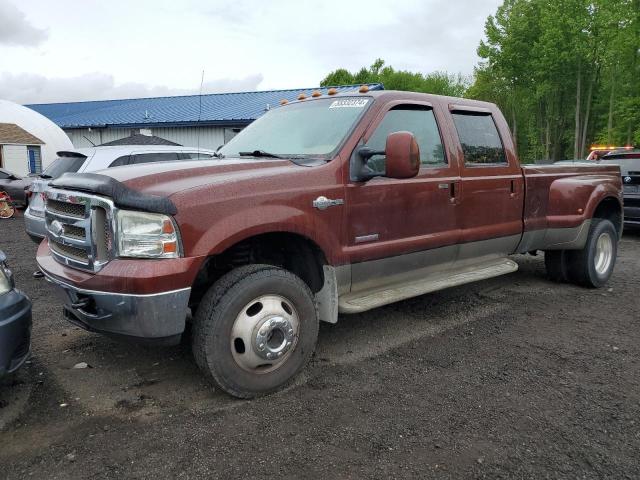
440	83
564	72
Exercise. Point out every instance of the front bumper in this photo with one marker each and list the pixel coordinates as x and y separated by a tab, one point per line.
35	226
15	330
155	318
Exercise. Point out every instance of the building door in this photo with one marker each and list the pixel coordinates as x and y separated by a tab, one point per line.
35	159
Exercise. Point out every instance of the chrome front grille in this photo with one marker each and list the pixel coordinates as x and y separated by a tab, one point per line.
79	228
72	231
66	209
75	253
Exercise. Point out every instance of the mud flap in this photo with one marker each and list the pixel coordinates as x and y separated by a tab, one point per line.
326	299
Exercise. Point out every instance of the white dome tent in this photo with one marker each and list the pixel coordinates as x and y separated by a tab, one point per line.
28	141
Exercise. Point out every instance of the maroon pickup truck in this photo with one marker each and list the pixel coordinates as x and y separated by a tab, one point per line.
327	205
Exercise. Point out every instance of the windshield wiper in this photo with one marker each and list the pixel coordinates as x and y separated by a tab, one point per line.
45	176
259	153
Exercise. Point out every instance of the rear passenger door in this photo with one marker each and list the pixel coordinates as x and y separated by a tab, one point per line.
491	197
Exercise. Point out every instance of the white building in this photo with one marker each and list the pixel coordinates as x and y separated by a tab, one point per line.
207	121
28	141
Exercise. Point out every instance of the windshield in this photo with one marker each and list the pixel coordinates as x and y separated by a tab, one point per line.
313	129
63	165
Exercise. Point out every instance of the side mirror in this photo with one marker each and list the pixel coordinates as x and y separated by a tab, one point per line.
13	177
403	155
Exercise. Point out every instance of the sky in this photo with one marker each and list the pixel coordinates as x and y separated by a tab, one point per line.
72	50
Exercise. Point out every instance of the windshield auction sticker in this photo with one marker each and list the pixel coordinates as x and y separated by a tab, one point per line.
349	103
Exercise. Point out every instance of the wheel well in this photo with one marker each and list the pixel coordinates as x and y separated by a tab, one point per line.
290	251
610	209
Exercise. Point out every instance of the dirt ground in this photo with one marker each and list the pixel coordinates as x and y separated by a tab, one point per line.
516	377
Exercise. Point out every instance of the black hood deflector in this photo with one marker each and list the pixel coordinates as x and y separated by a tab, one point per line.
121	195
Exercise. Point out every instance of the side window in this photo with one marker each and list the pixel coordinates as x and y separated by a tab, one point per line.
481	143
118	162
415	119
195	156
154	157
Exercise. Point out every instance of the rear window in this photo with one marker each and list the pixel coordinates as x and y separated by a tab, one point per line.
622	156
154	157
64	165
196	156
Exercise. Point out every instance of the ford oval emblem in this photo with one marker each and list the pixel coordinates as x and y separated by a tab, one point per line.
56	228
627	179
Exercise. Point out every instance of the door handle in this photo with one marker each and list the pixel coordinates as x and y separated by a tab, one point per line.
513	193
453	192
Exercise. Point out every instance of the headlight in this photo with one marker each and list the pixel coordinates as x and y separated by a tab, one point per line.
6	279
146	235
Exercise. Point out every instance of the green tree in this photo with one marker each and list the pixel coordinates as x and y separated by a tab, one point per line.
440	83
564	72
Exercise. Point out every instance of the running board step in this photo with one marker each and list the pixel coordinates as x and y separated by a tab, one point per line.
366	300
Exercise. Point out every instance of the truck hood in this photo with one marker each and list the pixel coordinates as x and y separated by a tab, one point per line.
166	179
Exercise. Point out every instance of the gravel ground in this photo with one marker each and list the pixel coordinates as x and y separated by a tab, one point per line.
515	377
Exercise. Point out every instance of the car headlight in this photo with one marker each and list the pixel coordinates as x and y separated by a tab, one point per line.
146	235
6	279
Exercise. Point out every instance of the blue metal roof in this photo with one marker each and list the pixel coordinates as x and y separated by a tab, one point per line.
217	109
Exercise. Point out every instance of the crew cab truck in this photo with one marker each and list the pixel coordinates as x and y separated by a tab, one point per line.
330	204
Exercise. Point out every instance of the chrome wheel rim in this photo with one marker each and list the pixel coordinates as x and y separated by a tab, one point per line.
604	253
264	334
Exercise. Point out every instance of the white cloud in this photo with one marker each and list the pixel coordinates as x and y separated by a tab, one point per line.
33	88
15	29
156	47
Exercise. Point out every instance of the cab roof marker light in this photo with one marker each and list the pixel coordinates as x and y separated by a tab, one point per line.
302	96
316	94
332	91
363	89
284	101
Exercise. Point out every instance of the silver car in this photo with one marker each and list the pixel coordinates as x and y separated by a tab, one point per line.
93	159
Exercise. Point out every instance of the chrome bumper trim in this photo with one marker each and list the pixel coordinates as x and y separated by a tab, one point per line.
144	316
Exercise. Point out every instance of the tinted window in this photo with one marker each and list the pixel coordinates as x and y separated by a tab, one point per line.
622	156
3	175
155	157
422	123
124	160
64	165
195	156
480	140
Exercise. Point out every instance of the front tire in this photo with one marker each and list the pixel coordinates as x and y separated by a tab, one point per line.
254	330
593	265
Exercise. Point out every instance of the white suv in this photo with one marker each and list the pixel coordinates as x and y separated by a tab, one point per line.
93	159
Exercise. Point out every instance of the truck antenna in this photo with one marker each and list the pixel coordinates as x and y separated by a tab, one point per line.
200	111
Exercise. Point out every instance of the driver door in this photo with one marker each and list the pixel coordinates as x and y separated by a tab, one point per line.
400	229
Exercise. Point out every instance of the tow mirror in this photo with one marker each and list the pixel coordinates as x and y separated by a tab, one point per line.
402	158
403	155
